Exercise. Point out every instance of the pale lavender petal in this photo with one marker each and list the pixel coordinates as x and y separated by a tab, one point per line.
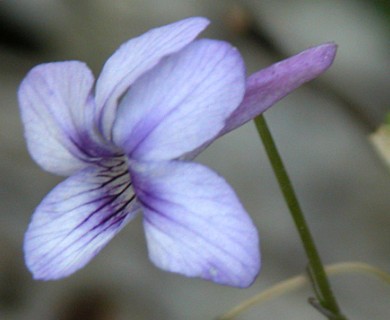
265	87
78	218
181	103
195	224
134	58
56	108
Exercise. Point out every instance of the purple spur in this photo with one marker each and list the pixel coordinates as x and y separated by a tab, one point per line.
127	140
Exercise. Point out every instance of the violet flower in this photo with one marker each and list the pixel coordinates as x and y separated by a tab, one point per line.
126	143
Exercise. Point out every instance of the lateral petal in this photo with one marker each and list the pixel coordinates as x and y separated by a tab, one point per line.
181	103
57	113
265	87
195	224
77	219
134	58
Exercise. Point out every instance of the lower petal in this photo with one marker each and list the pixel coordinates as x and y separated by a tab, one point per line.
77	219
195	224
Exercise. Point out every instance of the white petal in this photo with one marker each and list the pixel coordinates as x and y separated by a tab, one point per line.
57	113
181	103
134	58
77	219
194	223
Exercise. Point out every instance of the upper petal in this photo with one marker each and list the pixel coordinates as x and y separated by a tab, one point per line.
134	58
56	108
265	87
195	224
182	102
77	219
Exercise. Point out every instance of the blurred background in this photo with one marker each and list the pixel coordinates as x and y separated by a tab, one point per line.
321	129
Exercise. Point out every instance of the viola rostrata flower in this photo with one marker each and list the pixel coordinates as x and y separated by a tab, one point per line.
127	140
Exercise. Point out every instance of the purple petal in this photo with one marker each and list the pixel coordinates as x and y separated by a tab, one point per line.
181	103
137	56
56	107
77	219
265	87
194	223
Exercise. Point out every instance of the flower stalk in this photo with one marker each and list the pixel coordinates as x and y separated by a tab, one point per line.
316	270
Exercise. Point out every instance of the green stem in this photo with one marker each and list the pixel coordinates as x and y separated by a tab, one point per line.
321	284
